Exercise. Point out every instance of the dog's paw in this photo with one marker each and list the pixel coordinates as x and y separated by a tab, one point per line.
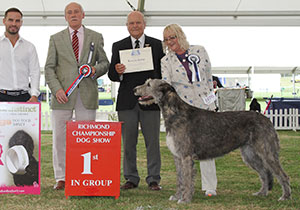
284	198
260	193
173	198
183	201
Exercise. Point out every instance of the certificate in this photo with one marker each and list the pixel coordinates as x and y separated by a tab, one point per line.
137	60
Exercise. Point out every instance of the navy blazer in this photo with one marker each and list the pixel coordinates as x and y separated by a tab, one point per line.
126	99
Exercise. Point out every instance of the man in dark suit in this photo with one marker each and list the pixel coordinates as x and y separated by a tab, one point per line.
130	111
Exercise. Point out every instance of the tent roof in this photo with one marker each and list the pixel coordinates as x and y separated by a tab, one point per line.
160	13
256	70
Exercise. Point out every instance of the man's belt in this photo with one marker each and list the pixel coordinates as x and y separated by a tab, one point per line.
13	92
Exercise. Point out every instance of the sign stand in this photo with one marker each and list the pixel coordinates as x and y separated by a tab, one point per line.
93	155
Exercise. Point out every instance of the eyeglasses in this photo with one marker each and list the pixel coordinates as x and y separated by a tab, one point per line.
170	38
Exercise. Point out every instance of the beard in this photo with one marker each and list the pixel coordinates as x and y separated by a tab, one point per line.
12	32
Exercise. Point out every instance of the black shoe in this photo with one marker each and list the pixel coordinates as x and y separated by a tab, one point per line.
154	186
128	185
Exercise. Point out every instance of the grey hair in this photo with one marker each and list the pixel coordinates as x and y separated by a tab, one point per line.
81	8
178	32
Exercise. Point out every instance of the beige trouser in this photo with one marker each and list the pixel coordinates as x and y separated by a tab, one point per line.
208	174
59	119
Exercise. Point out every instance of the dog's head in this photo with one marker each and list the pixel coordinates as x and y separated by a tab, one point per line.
24	139
152	91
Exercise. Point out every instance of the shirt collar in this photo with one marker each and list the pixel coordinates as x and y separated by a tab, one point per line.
80	30
141	39
3	37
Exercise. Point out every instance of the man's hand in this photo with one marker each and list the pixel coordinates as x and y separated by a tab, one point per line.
93	71
61	96
120	68
33	99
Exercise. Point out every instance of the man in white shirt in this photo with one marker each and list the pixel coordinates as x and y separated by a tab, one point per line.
19	64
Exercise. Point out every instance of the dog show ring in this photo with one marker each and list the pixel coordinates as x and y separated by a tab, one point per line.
85	70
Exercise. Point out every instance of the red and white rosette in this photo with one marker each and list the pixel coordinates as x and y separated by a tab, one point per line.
85	70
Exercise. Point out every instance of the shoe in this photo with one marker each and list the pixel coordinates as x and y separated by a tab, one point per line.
128	185
154	186
210	193
60	185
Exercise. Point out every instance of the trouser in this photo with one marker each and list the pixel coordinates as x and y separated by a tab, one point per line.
208	174
59	119
150	125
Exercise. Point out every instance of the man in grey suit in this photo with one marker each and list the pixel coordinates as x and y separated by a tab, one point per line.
61	69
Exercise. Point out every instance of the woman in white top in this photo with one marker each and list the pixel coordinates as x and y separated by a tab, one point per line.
187	68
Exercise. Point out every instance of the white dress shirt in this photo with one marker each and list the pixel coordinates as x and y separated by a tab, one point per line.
141	39
19	66
80	35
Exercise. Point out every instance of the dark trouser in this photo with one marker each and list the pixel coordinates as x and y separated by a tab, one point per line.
20	98
150	125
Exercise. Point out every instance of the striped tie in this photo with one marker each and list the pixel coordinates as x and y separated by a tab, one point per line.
137	44
75	44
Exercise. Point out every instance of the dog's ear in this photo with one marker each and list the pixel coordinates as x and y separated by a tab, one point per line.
166	87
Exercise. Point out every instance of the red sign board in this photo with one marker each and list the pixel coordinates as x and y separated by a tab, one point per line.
93	155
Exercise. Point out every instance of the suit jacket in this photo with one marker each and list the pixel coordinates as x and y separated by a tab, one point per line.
199	93
61	68
126	98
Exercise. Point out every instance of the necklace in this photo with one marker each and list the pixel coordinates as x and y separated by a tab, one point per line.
183	57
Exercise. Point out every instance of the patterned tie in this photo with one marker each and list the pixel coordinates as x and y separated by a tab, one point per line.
137	44
75	44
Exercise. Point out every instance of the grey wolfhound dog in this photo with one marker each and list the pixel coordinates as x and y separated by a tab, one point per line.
198	134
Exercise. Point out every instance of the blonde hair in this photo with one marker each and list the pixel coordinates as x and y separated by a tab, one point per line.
178	32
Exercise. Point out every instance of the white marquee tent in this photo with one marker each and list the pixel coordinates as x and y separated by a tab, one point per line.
193	13
160	12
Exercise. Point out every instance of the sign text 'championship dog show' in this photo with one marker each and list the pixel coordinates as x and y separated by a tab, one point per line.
93	155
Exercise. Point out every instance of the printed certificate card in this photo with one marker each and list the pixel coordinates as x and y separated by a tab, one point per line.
136	60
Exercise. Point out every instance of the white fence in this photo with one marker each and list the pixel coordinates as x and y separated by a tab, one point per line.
287	119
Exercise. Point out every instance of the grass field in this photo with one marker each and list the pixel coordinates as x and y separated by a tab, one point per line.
236	183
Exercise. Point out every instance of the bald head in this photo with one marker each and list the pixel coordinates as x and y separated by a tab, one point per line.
136	24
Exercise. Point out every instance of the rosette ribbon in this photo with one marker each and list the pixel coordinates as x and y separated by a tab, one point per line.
84	70
195	60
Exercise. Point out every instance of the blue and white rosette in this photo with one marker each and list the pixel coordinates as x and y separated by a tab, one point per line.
195	60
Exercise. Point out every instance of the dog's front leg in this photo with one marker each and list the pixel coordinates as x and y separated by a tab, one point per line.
187	179
178	165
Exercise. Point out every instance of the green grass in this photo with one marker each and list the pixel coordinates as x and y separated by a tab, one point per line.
236	183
